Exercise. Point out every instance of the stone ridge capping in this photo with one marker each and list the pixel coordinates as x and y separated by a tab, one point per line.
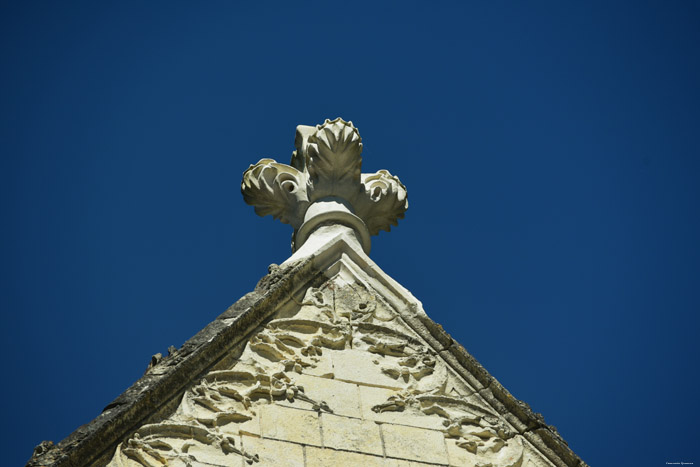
90	443
528	423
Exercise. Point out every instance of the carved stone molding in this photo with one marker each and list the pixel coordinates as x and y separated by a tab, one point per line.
323	184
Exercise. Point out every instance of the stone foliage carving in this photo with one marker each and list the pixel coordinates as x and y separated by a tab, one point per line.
277	190
341	330
478	431
326	165
175	444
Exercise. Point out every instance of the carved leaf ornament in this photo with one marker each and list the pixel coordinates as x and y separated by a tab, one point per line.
228	400
327	164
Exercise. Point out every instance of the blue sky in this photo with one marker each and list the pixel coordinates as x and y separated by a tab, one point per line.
551	156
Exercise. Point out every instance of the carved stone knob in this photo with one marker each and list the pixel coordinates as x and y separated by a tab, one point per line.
324	185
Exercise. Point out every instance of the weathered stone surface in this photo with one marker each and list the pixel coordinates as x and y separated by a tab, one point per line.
407	442
250	427
404	463
274	453
329	457
486	454
459	456
351	434
533	457
356	366
373	400
282	423
343	398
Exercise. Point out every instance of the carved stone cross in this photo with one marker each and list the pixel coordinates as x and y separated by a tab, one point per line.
323	185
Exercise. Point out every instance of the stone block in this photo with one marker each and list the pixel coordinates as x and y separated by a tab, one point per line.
399	463
411	443
251	427
466	367
541	446
371	397
404	463
271	452
509	455
328	457
351	434
535	457
323	368
357	366
341	397
207	456
459	456
504	412
287	424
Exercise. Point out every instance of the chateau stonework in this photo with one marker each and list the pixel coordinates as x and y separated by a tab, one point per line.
328	362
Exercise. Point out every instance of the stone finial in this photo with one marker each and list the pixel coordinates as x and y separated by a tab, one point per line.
324	185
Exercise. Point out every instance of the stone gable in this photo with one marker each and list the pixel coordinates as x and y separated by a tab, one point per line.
328	362
332	376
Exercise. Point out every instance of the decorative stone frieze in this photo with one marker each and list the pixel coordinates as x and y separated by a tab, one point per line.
344	332
324	183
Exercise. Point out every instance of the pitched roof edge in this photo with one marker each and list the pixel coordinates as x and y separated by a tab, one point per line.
90	442
518	413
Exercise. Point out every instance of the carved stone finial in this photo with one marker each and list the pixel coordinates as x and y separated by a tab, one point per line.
324	185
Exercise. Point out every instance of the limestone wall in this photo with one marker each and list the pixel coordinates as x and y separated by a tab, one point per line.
337	378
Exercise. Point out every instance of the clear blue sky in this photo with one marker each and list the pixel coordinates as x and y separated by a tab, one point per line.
551	156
